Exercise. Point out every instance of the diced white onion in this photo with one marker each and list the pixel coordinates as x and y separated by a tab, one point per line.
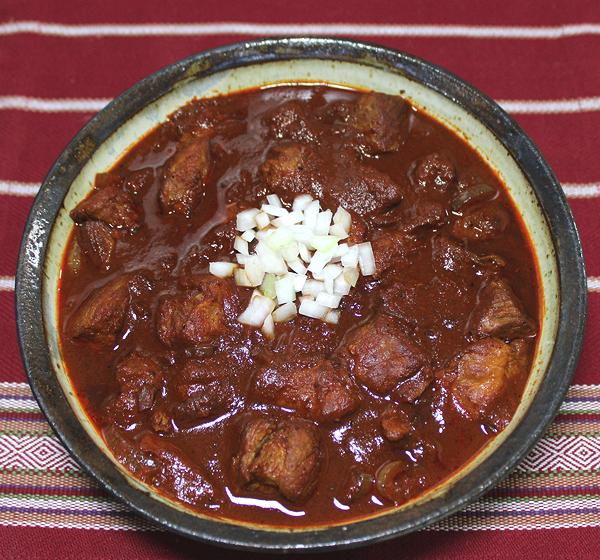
249	235
318	261
323	222
222	269
296	258
351	275
240	278
272	210
311	213
274	200
255	270
268	327
297	266
338	231
245	220
301	202
284	289
289	219
332	317
313	309
285	312
241	246
259	308
262	220
341	286
366	258
350	258
329	300
312	287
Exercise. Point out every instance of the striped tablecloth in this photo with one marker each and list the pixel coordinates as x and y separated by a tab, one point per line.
62	61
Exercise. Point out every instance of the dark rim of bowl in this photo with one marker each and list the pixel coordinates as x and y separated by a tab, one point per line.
544	406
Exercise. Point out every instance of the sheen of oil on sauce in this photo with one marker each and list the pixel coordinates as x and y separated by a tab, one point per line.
445	441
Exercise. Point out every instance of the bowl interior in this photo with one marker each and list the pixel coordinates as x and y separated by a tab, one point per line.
344	74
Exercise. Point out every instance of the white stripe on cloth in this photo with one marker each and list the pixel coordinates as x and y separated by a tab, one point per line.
259	29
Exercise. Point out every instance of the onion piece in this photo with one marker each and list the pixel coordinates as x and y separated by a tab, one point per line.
249	235
268	327
366	258
350	258
241	246
332	271
285	313
274	200
241	259
222	269
319	260
240	278
290	219
338	231
245	220
259	308
284	289
299	281
268	286
341	286
351	275
328	300
343	218
311	213
301	202
272	210
305	254
313	287
262	220
310	308
255	270
323	222
297	266
332	317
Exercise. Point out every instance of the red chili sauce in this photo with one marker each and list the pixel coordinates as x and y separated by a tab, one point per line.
325	423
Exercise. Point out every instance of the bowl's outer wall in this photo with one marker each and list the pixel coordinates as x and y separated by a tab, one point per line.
573	293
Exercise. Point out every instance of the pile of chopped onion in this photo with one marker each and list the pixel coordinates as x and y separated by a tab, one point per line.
296	260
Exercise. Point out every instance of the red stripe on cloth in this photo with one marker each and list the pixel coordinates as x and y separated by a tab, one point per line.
588	370
375	11
31	142
11	367
75	544
496	67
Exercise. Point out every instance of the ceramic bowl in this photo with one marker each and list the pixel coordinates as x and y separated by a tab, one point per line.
486	127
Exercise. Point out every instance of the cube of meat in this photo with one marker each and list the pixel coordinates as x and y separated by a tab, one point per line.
499	313
139	378
434	172
96	241
175	472
102	314
292	169
392	248
395	423
284	455
359	187
422	214
290	121
110	205
203	389
185	175
381	355
481	224
316	388
380	122
196	317
478	375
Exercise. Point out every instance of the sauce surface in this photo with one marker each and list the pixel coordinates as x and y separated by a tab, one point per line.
325	423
